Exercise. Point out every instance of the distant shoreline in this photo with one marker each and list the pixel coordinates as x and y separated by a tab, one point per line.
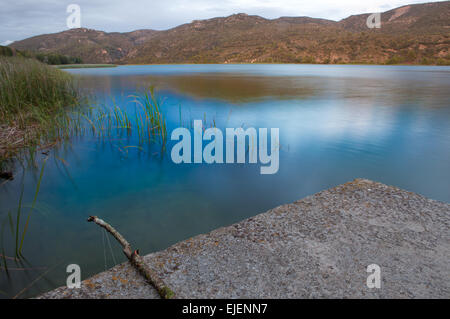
278	63
84	66
95	66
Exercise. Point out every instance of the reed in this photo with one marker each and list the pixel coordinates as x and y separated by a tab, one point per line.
34	98
146	120
31	91
18	226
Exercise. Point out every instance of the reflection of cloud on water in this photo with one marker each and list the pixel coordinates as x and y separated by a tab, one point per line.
327	123
358	122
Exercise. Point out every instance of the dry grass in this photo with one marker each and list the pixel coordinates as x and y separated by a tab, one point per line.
13	138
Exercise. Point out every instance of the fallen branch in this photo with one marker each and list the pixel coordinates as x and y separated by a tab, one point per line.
134	257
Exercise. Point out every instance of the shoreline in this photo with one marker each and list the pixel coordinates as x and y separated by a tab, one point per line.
248	63
317	247
84	66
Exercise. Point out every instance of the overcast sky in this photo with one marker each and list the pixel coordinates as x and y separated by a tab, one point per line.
20	19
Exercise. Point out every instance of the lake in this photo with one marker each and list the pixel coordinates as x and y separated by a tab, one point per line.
337	122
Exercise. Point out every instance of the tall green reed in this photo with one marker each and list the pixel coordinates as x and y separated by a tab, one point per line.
32	92
19	228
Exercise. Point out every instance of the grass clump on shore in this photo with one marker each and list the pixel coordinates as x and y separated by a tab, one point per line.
38	109
32	97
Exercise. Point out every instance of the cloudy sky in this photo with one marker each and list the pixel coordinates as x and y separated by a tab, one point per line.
20	19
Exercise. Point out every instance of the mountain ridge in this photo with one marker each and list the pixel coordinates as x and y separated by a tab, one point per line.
417	33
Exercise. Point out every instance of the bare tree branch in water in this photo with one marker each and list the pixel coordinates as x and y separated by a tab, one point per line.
136	260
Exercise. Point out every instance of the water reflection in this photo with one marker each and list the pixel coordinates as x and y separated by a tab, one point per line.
337	123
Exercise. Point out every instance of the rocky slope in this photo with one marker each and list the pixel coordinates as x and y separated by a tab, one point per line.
416	34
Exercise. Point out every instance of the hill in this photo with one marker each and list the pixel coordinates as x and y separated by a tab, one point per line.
91	46
416	34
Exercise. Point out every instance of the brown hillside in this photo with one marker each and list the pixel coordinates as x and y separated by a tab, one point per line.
415	34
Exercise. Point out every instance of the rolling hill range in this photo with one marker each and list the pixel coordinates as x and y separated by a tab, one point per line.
416	34
90	45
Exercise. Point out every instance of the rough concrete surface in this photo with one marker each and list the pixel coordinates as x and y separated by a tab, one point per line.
318	247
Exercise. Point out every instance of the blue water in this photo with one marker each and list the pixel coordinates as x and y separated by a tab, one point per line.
386	123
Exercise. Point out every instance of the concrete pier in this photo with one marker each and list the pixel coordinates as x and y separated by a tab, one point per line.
317	247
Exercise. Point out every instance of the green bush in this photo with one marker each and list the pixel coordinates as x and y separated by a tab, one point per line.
441	61
57	59
395	60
